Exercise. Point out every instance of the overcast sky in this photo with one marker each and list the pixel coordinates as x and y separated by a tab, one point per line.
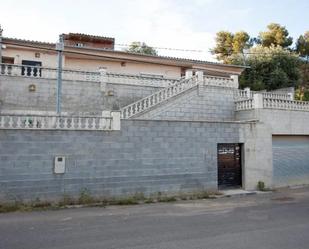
190	24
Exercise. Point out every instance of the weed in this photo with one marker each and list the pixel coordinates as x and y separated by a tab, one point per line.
167	199
9	207
85	197
67	200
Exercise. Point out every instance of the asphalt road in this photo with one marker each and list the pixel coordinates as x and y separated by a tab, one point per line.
266	221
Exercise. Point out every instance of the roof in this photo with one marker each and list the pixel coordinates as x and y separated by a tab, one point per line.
146	56
83	37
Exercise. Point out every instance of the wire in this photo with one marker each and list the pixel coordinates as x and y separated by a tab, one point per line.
165	48
89	54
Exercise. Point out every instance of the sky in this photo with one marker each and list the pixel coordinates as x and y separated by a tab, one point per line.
177	24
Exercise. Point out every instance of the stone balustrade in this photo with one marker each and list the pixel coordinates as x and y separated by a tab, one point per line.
240	94
78	75
285	104
271	95
219	81
45	122
246	104
245	94
271	101
158	97
47	73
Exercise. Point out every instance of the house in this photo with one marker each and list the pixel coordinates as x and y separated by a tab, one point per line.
89	53
140	127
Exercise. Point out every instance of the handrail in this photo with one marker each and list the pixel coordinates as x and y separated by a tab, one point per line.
158	97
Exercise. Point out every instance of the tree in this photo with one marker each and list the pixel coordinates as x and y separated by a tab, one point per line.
302	48
141	48
276	35
229	44
270	68
224	45
302	45
241	41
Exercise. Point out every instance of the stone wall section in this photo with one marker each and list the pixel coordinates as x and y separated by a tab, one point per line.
144	157
77	96
199	103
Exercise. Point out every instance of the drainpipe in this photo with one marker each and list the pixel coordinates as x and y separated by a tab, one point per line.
59	48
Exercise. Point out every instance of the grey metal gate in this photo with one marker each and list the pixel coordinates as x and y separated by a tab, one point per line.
290	160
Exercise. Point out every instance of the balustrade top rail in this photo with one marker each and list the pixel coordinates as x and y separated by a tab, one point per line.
40	122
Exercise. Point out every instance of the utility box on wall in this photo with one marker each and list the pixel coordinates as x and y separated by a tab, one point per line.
59	165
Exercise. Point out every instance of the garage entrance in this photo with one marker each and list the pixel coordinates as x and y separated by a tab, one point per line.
229	165
290	160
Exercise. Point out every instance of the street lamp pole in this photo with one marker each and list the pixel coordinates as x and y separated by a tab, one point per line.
59	48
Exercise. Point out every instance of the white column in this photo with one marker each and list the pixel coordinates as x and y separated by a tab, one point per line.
235	79
291	96
200	76
248	92
189	73
116	120
103	78
258	100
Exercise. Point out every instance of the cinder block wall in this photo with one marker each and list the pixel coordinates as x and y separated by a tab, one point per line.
200	103
77	96
145	157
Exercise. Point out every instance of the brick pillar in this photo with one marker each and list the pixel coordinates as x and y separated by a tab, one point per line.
235	79
116	120
189	73
258	100
200	76
248	92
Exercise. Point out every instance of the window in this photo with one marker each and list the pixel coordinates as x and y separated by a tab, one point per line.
79	45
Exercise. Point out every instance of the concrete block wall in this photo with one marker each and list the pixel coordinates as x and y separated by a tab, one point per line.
259	150
200	103
281	122
145	156
77	96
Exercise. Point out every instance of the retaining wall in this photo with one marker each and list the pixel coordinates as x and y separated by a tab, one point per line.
144	157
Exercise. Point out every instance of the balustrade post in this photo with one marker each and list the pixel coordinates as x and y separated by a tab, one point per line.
189	74
258	101
291	96
235	80
115	120
200	76
248	92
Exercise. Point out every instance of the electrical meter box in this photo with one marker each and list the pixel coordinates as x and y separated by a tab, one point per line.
59	165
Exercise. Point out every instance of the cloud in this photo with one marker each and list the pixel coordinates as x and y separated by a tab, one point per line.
159	23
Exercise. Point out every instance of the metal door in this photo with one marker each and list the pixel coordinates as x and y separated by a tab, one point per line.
229	165
290	160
